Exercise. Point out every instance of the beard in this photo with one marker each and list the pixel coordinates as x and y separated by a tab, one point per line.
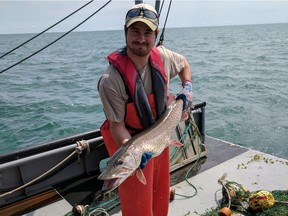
139	49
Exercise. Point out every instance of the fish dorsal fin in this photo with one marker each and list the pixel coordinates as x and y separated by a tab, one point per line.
140	176
176	143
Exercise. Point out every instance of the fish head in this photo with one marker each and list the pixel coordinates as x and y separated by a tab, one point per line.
121	165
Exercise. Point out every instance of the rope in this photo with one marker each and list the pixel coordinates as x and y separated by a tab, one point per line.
198	158
81	145
183	136
46	30
83	210
116	198
187	180
99	210
56	39
227	192
182	140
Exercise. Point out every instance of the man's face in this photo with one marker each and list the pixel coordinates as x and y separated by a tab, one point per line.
140	39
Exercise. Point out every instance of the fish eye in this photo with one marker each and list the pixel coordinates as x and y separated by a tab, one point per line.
120	162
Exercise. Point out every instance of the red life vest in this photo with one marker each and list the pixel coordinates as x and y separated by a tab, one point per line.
142	111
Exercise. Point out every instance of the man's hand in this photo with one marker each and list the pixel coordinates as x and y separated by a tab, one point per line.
145	158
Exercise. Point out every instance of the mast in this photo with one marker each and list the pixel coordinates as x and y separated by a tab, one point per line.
157	5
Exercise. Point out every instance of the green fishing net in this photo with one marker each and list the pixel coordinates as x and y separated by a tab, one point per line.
280	207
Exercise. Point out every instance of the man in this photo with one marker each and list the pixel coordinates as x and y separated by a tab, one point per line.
134	90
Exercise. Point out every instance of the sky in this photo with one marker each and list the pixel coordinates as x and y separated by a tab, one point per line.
35	16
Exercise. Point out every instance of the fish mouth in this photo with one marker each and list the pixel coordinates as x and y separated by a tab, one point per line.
111	184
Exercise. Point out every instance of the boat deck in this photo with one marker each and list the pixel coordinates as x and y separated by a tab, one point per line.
252	169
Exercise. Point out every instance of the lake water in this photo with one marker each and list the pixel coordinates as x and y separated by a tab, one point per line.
240	71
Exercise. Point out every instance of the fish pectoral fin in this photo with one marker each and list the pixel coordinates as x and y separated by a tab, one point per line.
184	116
176	143
140	176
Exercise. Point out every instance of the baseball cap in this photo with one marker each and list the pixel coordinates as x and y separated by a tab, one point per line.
142	13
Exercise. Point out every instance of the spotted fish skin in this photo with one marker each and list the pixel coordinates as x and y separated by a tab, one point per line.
126	160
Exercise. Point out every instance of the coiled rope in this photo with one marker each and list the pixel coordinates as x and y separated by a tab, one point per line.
56	39
80	147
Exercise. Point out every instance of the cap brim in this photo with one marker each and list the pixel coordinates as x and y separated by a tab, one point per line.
151	25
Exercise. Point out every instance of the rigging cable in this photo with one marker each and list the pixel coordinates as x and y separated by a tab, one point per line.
56	39
163	30
46	29
160	11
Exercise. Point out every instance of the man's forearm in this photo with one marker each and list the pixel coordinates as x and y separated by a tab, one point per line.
185	75
119	132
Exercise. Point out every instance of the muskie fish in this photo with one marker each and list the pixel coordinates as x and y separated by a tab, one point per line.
126	160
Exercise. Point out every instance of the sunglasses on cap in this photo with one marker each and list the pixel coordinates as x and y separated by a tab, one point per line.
145	13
